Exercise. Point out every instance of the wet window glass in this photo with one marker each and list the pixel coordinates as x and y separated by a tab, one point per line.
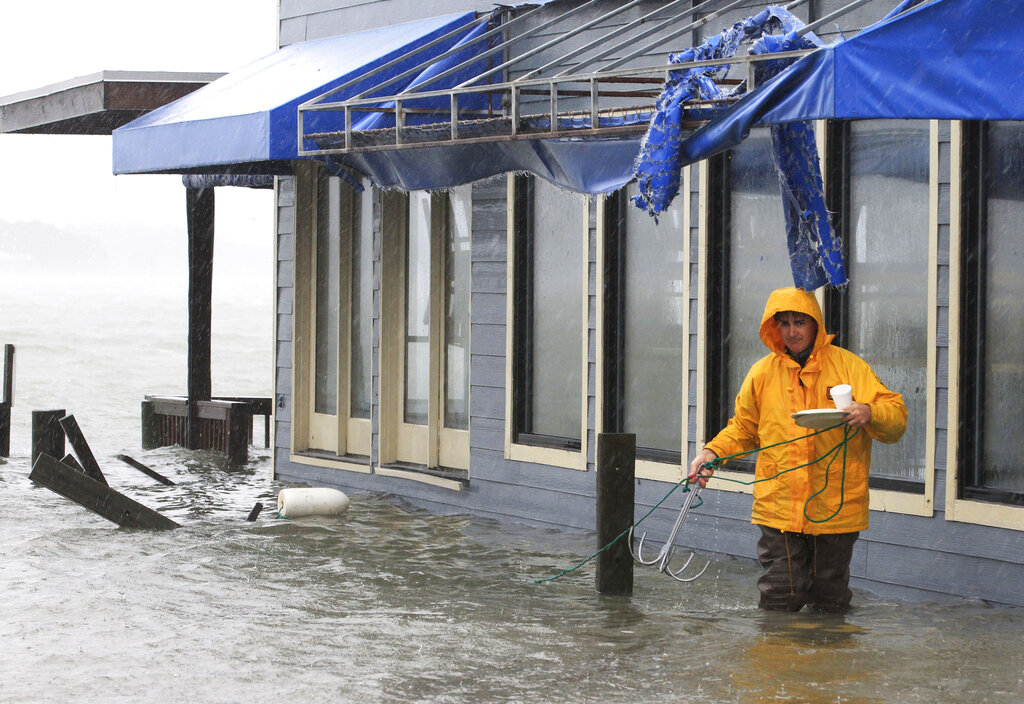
417	310
887	264
456	324
652	327
1001	466
549	319
362	303
758	258
328	288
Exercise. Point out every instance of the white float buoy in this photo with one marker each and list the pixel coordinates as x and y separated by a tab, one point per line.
318	501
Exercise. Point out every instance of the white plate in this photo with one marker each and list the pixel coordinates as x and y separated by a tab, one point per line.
818	418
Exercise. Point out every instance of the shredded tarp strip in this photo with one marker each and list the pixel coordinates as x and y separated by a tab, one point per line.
815	257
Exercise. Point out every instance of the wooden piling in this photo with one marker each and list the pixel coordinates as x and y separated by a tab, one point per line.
132	462
47	434
5	429
616	488
7	403
96	497
81	448
200	215
150	426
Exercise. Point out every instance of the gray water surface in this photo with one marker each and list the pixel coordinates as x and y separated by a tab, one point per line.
389	603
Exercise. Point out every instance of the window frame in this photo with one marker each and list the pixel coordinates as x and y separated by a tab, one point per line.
340	428
430	453
539	449
651	463
967	249
887	494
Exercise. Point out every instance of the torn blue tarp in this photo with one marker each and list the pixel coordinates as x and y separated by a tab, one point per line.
658	164
942	60
815	257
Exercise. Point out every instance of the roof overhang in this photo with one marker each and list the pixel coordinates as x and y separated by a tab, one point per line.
95	104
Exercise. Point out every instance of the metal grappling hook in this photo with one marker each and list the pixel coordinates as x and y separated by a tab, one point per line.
668	549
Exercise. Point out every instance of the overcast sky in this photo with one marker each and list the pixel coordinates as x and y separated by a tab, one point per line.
67	180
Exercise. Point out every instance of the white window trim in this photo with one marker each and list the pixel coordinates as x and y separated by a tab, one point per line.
957	509
304	229
425	443
571	459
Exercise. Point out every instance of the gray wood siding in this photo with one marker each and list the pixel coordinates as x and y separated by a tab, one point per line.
900	554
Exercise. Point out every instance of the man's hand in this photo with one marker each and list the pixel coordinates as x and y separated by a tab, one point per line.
703	456
857	415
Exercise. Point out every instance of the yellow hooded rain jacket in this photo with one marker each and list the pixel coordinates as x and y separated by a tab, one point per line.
775	387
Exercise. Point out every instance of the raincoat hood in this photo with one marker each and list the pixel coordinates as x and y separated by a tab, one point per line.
797	300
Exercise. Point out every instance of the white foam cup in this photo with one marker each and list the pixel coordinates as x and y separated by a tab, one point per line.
842	396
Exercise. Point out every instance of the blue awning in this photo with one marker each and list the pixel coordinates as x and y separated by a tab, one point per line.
247	120
948	59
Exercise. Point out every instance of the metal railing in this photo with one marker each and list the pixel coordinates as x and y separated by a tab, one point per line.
566	102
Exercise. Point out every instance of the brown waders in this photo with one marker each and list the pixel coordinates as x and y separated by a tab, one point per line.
805	569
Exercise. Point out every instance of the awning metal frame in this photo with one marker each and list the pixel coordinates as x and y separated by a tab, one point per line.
510	123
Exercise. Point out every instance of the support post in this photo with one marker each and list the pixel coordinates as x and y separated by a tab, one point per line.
47	433
150	426
7	403
200	212
616	489
81	448
98	498
238	425
5	429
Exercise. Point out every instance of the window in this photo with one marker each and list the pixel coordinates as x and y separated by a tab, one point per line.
643	326
425	356
547	308
991	316
333	331
747	260
879	190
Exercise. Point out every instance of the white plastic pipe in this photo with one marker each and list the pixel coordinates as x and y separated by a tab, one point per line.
319	501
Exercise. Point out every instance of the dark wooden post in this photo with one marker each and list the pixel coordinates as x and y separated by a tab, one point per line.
616	488
237	427
200	211
150	426
81	448
47	433
7	403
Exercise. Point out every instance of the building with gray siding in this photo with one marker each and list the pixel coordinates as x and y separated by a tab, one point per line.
463	347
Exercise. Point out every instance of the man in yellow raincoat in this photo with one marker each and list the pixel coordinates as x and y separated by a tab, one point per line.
807	533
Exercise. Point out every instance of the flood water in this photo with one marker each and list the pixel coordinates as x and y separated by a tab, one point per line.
389	603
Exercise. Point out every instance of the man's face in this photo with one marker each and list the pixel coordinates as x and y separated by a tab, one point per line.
798	330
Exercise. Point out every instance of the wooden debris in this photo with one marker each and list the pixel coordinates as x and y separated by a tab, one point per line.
81	448
255	511
98	498
145	470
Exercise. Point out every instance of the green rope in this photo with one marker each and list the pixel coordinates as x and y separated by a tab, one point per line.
716	463
834	451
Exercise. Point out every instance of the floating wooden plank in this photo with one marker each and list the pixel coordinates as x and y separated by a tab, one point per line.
145	470
81	448
98	498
